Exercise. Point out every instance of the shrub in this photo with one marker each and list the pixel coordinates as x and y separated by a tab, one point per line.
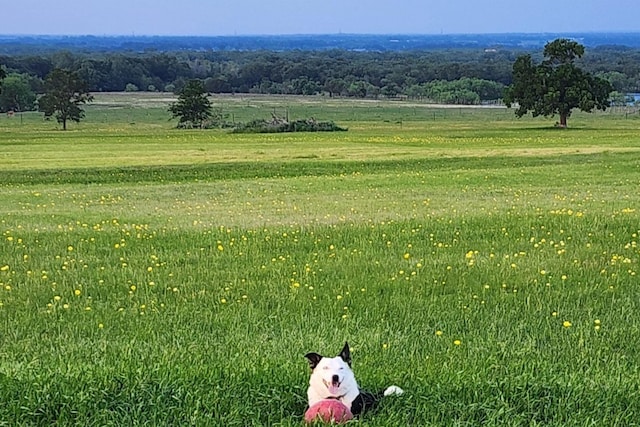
278	125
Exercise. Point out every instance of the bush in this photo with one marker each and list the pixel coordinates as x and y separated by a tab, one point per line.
278	125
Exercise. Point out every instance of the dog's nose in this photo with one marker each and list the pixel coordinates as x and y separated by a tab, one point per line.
335	379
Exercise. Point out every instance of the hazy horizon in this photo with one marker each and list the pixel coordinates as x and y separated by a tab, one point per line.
313	34
310	17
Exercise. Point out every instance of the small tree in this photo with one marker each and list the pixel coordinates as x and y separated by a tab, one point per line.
65	93
557	85
130	87
192	108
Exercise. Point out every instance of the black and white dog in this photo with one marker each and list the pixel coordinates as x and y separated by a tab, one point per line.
332	378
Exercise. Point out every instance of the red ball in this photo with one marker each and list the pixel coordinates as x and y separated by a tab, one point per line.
328	411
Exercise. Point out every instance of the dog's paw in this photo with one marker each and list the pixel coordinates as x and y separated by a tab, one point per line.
393	390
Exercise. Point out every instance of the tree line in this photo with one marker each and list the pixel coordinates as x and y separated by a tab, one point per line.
555	85
457	76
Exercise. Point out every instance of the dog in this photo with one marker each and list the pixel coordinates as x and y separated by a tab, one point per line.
332	378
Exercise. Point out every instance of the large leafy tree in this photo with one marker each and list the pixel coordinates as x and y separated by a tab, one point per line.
65	94
557	85
192	108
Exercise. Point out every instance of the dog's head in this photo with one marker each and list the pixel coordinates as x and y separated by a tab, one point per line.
332	377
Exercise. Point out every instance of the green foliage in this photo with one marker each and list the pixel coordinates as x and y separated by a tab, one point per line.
619	81
193	108
335	73
279	126
65	94
465	91
16	94
562	51
3	74
557	85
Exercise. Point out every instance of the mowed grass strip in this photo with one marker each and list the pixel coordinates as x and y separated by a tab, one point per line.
496	289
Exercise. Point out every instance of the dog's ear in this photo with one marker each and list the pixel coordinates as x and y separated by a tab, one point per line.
314	359
345	354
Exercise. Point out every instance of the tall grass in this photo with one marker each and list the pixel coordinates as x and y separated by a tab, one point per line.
487	267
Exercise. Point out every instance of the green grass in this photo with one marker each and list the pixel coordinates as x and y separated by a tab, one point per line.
151	276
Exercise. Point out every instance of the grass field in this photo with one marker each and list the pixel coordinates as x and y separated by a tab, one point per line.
486	265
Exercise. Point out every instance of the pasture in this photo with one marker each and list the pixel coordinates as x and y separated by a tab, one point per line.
153	276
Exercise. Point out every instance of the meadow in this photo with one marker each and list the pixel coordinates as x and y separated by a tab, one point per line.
153	276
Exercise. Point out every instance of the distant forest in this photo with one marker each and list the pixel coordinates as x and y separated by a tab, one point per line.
455	74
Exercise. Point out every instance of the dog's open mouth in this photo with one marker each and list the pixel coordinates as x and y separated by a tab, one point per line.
333	386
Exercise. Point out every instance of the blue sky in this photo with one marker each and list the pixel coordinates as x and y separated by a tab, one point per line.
252	17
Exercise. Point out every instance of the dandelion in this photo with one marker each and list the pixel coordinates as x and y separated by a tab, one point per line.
70	248
4	268
223	300
100	326
566	324
385	346
439	333
406	255
457	342
77	292
133	288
